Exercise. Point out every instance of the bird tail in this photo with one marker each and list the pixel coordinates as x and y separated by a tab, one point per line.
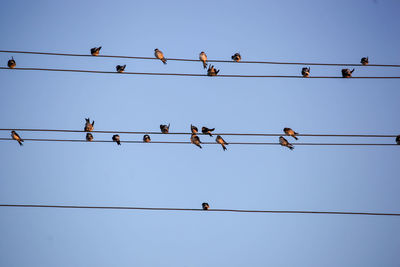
204	64
20	142
352	71
224	147
209	134
295	137
164	60
199	145
291	147
119	143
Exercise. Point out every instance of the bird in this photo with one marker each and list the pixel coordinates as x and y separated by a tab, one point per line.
205	206
15	136
206	130
120	68
346	73
158	54
236	57
146	138
305	72
164	128
203	58
212	71
11	63
364	61
398	140
290	132
89	137
116	138
194	129
195	140
285	142
88	126
221	141
95	51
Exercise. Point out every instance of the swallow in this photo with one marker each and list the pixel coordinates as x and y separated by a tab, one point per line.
158	54
285	142
364	61
195	140
346	73
221	141
95	51
236	57
305	72
15	136
398	140
11	63
290	132
205	206
88	126
194	129
120	68
89	137
164	128
212	71
146	138
116	138
206	130
203	58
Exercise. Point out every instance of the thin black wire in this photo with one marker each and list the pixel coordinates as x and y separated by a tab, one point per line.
196	60
210	210
202	75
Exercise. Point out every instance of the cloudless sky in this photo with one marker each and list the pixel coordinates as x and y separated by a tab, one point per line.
243	177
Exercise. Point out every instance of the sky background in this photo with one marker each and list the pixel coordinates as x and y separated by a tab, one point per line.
243	177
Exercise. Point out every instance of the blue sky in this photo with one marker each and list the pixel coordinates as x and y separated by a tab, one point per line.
244	177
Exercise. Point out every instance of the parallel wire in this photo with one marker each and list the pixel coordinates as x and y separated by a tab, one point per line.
199	210
197	60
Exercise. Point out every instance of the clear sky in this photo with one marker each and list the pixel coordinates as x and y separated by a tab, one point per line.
244	177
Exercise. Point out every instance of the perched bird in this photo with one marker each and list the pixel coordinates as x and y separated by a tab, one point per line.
89	137
346	73
206	130
164	128
88	126
205	206
221	141
194	129
95	51
212	71
236	57
203	58
195	140
11	63
116	138
158	54
290	132
146	138
285	142
15	136
305	72
364	61
398	140
120	68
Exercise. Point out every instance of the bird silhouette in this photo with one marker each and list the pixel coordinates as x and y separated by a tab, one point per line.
11	63
164	128
203	58
194	129
221	141
15	136
398	140
346	73
195	140
120	68
158	54
146	138
285	142
89	137
305	72
88	126
116	139
205	206
290	132
364	61
236	57
95	51
212	71
206	130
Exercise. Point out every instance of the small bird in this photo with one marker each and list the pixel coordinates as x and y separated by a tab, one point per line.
290	132
205	206
146	138
221	141
346	73
203	58
89	137
88	126
212	71
194	129
398	140
364	61
15	136
120	68
164	128
95	51
285	142
236	57
116	138
158	54
206	130
305	72
195	140
11	63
